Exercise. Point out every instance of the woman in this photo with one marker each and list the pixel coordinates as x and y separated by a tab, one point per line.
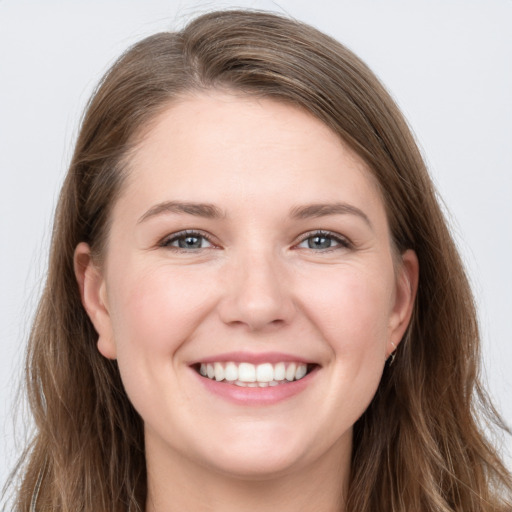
270	312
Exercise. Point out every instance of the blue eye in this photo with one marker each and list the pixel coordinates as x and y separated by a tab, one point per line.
188	240
322	241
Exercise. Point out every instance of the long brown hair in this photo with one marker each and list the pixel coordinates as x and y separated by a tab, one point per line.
419	446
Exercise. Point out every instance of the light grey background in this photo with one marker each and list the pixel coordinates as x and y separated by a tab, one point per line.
447	62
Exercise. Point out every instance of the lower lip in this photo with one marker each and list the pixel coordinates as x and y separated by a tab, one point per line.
257	396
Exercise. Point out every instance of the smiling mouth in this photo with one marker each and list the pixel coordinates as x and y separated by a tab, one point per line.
251	375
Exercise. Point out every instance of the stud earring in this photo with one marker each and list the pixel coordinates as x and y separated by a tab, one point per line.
391	358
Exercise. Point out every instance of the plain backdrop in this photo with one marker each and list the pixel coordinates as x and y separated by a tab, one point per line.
448	63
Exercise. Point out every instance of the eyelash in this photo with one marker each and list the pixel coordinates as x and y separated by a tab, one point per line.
175	237
343	243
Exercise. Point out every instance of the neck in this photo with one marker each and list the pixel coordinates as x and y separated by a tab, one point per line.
175	484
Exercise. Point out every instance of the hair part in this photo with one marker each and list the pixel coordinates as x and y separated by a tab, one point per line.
418	446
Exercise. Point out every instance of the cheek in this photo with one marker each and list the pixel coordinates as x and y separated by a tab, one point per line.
352	307
155	310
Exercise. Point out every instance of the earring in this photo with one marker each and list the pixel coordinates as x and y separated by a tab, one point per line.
391	358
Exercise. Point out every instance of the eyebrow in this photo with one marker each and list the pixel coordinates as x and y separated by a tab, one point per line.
210	211
325	209
206	210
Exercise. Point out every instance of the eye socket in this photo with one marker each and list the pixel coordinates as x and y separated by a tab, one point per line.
187	241
319	241
323	241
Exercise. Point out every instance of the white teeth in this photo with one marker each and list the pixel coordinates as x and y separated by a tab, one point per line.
219	372
247	372
299	373
279	371
250	375
231	372
264	372
290	372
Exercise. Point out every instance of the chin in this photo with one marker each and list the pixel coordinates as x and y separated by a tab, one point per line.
253	466
261	453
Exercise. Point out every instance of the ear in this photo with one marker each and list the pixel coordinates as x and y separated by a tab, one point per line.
405	295
94	298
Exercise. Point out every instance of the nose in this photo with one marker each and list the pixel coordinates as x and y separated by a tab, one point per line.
257	293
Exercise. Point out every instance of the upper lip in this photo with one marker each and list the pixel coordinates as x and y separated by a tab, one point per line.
254	358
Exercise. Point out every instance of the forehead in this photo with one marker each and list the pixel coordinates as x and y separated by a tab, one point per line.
223	147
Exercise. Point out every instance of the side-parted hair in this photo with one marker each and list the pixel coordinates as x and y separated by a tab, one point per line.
419	446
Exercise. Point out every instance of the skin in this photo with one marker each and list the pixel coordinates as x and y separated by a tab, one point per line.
256	286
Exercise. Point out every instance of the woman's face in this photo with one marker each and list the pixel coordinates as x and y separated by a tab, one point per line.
251	245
